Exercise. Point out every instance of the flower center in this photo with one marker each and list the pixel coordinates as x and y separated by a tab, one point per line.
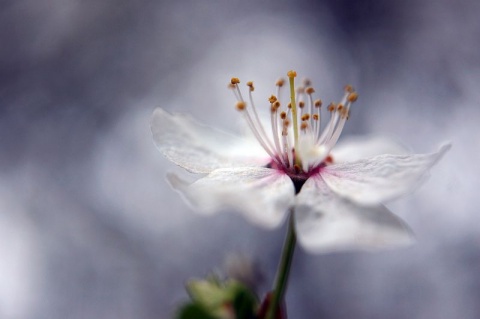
296	142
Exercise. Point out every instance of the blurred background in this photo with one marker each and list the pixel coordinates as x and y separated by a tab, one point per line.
90	229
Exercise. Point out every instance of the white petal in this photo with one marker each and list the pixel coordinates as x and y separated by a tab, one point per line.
380	178
326	222
199	148
357	148
262	195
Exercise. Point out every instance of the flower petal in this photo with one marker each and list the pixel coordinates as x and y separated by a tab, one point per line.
199	148
262	195
357	148
381	178
326	222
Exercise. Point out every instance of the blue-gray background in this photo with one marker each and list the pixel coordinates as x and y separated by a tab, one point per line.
90	229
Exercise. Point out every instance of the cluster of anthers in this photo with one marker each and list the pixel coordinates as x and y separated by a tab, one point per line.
311	145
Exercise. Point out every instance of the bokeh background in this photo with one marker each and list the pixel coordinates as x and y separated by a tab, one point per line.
89	227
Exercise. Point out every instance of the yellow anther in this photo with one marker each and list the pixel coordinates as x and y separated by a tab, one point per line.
349	88
283	115
352	97
276	104
305	117
250	85
301	104
303	126
235	81
272	99
289	105
309	90
291	74
331	107
241	105
318	103
340	107
280	82
315	117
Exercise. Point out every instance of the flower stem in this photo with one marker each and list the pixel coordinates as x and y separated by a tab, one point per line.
283	268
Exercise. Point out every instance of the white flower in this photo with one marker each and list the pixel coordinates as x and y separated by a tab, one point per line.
337	194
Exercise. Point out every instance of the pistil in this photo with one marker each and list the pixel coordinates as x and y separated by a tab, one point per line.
291	78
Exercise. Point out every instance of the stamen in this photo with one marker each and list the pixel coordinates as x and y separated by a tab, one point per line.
233	87
352	97
309	92
336	116
318	123
305	117
235	82
279	84
329	159
328	131
260	139
349	98
250	85
241	105
306	121
301	105
274	123
257	128
258	123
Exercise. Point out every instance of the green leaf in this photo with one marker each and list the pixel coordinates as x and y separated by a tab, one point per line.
207	293
193	311
223	299
245	304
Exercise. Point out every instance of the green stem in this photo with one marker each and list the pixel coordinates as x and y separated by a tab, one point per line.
283	269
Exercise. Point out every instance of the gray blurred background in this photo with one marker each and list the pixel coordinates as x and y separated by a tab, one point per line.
89	227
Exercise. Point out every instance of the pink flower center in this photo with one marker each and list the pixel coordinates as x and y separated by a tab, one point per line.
297	142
